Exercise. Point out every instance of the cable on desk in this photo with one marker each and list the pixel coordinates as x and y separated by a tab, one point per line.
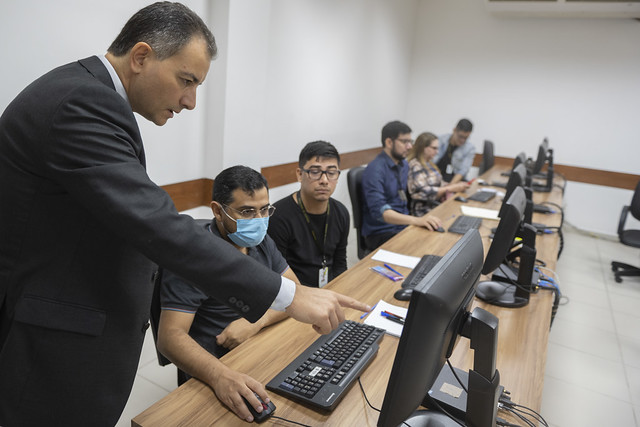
506	404
453	371
364	394
289	421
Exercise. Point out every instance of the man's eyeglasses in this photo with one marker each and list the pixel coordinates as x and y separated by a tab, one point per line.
253	213
316	173
406	141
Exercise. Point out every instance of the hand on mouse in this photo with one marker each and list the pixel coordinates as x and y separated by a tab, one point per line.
231	386
427	221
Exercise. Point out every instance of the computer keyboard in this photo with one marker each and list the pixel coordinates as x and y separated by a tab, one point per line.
321	374
482	196
424	266
499	184
464	223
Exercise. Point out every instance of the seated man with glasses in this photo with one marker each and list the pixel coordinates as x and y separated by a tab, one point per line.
309	227
195	329
384	189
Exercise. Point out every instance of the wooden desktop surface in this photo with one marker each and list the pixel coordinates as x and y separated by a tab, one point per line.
522	342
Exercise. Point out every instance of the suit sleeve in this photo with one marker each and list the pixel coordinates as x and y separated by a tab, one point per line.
95	153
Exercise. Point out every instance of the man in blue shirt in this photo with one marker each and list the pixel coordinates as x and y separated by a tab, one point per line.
384	189
455	157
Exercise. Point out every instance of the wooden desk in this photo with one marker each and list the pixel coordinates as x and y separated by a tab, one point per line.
522	345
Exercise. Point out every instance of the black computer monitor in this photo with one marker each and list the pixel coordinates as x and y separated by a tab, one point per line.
519	159
545	155
437	315
517	178
510	286
543	148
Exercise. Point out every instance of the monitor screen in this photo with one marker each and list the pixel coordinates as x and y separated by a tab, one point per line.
439	306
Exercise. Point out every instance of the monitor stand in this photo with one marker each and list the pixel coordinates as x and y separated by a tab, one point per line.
479	407
502	294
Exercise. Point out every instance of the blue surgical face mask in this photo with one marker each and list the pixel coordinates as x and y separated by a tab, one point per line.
249	232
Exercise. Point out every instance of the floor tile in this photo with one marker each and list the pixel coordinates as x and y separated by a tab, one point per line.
626	304
148	350
630	348
162	376
143	395
588	315
584	370
627	325
586	339
582	275
567	405
585	294
633	374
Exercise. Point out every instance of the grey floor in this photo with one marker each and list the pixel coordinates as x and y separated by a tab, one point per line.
592	374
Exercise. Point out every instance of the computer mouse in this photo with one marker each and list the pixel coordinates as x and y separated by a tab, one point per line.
267	409
440	229
403	294
461	199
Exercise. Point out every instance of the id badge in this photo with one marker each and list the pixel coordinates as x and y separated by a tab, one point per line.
323	277
449	169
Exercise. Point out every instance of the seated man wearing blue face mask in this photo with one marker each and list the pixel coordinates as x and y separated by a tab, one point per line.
196	329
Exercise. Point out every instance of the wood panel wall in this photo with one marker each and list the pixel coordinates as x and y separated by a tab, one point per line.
191	194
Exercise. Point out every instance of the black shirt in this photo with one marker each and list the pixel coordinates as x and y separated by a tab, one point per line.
289	229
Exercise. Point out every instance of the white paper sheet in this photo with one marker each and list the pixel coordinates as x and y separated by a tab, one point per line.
375	319
395	258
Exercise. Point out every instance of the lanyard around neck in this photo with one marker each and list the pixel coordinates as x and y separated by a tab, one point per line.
313	233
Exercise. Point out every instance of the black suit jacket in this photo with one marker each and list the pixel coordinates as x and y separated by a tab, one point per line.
81	229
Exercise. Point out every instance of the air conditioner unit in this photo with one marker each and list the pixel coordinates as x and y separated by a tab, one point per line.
566	8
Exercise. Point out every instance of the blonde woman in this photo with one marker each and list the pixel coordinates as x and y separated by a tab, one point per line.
425	183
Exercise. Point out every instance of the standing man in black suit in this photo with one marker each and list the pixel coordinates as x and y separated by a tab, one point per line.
81	226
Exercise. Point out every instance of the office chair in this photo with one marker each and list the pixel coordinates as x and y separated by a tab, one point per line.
487	157
354	182
628	237
155	316
155	306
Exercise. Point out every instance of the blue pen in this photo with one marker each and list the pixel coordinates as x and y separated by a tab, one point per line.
390	268
374	306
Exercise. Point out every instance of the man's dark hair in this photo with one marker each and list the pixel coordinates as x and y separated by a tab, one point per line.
165	26
393	130
316	149
464	125
235	177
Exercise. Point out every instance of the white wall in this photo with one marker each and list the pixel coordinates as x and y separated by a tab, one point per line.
293	71
39	35
521	79
302	70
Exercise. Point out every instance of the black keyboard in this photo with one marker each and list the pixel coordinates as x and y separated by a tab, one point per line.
321	375
424	266
464	223
482	196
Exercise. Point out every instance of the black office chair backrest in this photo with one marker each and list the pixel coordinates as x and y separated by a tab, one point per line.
155	316
635	203
155	305
488	159
354	183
